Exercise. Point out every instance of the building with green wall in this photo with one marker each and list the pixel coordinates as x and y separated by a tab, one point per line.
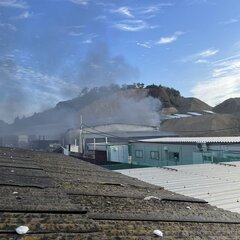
180	151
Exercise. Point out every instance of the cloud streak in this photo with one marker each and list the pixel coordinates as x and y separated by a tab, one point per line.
80	2
30	90
161	41
231	21
166	40
224	82
125	11
13	4
200	57
8	26
24	15
135	19
133	25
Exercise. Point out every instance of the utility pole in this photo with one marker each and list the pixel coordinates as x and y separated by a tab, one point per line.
81	136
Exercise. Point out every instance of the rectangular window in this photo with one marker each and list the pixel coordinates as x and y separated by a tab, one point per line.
154	155
139	153
173	156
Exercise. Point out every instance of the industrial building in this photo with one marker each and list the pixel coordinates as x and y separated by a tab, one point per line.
173	151
147	146
109	142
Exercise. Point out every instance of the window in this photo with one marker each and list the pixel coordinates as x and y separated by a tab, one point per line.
139	153
154	155
173	156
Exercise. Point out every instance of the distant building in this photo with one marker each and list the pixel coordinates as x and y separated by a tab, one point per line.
23	141
184	150
109	142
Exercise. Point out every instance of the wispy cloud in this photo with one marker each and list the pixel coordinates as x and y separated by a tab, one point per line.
170	39
74	31
145	44
207	53
154	8
224	82
165	40
193	2
133	25
13	4
200	57
231	21
161	41
80	2
28	90
201	61
24	15
141	12
8	26
125	11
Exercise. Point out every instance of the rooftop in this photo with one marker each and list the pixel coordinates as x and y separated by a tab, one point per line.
60	197
218	184
194	140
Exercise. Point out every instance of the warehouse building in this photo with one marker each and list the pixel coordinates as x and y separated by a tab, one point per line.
109	142
172	151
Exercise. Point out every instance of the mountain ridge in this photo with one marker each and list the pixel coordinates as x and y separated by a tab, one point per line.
109	101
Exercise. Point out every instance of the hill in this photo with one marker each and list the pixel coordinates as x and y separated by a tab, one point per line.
205	125
173	102
129	104
231	105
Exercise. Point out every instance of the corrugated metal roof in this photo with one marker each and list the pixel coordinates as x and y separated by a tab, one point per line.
194	140
218	184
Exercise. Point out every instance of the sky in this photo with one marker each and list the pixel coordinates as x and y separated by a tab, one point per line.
51	49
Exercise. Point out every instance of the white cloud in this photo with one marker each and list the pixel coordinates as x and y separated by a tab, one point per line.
223	84
145	12
200	57
145	44
166	40
231	21
87	41
201	61
24	15
132	25
80	2
27	90
75	31
192	2
8	26
208	53
13	4
125	11
75	34
154	8
163	40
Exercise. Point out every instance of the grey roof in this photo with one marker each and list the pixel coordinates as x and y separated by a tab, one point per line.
194	140
218	184
60	197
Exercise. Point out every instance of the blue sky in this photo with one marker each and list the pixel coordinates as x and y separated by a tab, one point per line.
51	49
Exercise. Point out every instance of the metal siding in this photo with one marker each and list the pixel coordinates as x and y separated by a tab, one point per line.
185	154
219	184
118	153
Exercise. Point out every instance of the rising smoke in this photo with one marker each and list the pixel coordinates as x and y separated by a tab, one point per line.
101	101
128	107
